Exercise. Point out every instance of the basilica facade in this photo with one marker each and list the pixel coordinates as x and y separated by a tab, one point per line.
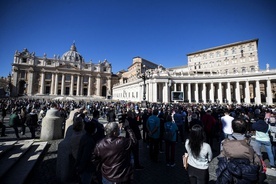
68	75
224	74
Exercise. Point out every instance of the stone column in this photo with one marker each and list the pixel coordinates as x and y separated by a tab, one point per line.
81	85
203	94
165	92
109	85
268	92
14	89
220	92
247	92
238	93
78	86
98	92
257	93
154	92
89	86
212	98
189	92
196	92
42	83
56	84
30	82
62	84
182	89
228	92
149	91
72	85
53	84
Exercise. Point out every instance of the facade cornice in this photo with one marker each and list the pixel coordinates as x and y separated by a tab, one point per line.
223	46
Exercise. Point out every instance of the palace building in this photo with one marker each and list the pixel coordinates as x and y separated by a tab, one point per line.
67	75
223	74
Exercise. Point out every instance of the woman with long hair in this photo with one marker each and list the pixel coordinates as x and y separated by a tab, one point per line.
199	156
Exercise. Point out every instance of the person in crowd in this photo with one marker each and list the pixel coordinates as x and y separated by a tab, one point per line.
42	113
153	126
3	129
146	114
85	167
112	155
161	116
31	121
86	118
78	131
179	121
262	138
99	135
133	124
4	112
209	123
272	121
238	155
194	121
226	122
111	116
14	121
199	156
171	128
23	114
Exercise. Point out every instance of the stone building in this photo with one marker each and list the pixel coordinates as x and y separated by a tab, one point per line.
58	76
224	74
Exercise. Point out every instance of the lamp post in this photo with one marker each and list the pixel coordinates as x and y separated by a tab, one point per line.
144	75
8	93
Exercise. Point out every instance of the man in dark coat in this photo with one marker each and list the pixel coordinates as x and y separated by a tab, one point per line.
113	153
31	121
133	124
3	127
85	168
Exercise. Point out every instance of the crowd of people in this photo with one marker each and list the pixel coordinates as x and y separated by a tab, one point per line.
102	155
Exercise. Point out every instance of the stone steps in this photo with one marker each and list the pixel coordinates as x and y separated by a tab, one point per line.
17	159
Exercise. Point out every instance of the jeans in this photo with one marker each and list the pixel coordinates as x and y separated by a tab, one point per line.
268	148
198	176
86	177
154	149
181	133
170	152
106	181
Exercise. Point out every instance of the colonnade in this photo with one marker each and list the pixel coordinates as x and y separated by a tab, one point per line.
255	91
77	85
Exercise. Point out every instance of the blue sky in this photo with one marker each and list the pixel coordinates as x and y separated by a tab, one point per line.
161	31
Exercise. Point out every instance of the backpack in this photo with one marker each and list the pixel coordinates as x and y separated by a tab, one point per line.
168	133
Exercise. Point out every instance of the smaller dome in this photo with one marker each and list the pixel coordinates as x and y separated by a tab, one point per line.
72	55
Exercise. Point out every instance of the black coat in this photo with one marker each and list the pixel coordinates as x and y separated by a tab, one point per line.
31	120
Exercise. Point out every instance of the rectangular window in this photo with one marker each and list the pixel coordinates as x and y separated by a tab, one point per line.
22	74
85	79
48	76
68	77
24	60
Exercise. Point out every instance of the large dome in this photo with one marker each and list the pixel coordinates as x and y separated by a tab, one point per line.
72	55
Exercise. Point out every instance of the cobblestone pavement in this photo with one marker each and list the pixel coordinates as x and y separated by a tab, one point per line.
45	170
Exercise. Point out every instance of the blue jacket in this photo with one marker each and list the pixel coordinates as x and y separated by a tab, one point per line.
236	170
153	126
